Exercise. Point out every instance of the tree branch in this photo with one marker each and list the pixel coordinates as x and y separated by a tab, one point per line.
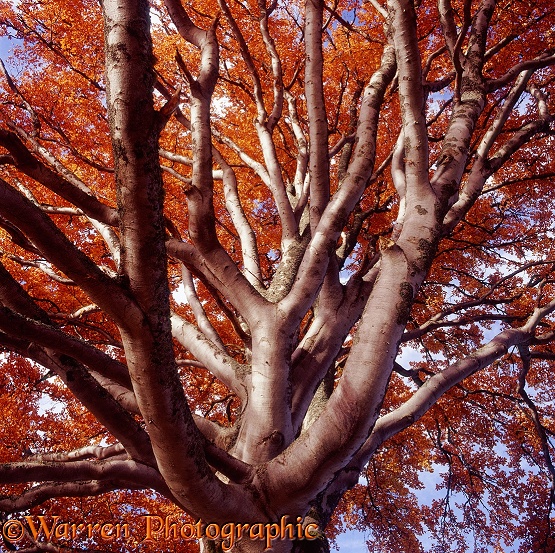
32	167
148	345
316	110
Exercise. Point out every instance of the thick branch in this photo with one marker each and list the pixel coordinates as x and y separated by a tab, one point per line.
41	493
92	451
94	397
316	108
56	247
315	261
48	336
175	438
69	471
32	167
235	209
215	359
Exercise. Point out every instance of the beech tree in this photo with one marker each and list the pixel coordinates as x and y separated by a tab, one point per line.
266	260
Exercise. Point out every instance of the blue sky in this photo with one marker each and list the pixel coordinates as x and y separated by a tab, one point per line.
5	46
352	542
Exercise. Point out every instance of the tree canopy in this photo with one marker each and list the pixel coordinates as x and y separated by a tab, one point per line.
291	259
